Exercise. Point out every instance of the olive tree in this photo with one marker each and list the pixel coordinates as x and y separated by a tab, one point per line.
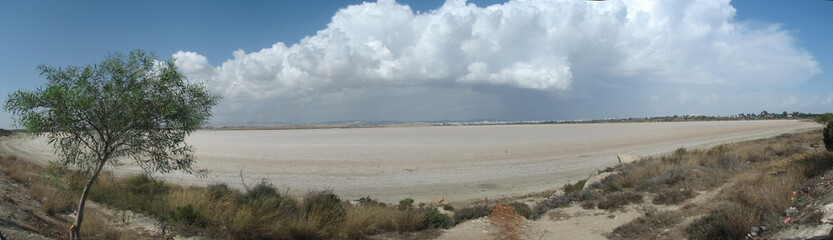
129	107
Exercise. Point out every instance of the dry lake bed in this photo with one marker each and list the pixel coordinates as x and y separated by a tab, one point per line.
459	163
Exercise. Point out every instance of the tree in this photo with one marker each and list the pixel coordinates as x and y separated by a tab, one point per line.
129	106
824	118
828	136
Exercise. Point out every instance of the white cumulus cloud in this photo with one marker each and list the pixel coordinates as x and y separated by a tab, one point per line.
552	46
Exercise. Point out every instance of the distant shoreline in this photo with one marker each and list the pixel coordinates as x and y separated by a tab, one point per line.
363	124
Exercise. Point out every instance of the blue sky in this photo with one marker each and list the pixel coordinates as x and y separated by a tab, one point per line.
436	60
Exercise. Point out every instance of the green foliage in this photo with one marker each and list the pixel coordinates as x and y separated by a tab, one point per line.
129	105
185	215
521	209
473	212
407	203
824	119
137	193
569	188
828	136
261	191
324	207
680	151
435	219
220	191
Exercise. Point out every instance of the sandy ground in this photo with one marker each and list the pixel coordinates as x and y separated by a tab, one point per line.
566	223
459	163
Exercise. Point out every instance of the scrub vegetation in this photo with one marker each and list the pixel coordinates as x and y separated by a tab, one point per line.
754	186
729	191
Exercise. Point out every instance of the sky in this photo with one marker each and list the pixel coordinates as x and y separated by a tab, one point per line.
320	61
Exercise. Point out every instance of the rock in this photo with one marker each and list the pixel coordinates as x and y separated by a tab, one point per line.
627	158
440	201
597	178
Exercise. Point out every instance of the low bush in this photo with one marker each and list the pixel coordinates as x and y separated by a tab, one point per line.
521	209
578	186
136	193
409	220
435	219
185	215
729	221
52	201
673	196
220	191
366	220
407	203
619	199
646	226
554	202
324	207
472	212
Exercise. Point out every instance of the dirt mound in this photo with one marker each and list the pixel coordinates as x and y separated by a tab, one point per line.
507	224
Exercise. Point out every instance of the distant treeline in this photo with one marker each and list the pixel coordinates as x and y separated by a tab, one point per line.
764	115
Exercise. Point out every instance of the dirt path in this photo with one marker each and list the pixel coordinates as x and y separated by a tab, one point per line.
457	163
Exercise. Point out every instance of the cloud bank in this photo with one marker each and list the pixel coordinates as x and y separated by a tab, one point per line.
383	61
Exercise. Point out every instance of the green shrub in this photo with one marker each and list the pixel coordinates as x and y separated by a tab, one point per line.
324	207
435	219
136	193
220	191
578	186
407	203
285	207
262	190
472	212
185	215
521	209
409	220
824	118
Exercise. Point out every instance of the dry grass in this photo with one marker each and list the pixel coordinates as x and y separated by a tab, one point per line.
408	220
216	211
20	170
52	201
672	196
762	173
652	225
366	220
617	200
97	225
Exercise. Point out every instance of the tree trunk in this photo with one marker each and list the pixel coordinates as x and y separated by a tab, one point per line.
74	231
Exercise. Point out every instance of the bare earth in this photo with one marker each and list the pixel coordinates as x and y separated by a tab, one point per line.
459	163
